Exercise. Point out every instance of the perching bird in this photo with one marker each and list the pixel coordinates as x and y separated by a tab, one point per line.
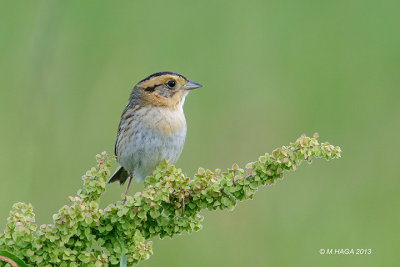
152	126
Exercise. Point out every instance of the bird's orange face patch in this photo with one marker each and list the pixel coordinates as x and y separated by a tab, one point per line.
157	100
157	92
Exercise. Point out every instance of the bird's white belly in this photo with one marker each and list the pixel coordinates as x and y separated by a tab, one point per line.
142	152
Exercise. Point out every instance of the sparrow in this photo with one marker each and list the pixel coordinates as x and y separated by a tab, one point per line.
152	126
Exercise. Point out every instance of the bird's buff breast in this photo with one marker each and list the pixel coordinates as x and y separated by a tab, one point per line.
150	136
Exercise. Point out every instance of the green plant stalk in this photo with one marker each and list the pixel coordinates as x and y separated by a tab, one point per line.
170	204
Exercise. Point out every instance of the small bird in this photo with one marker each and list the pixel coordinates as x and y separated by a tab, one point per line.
152	126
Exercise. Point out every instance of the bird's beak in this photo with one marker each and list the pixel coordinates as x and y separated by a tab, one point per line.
190	85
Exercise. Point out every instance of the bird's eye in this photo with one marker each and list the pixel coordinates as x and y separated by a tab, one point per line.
171	84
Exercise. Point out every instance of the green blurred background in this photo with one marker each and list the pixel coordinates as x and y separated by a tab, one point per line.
271	70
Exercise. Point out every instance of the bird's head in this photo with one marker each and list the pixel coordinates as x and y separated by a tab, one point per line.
167	89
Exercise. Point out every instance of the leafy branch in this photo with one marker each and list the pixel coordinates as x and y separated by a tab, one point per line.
82	234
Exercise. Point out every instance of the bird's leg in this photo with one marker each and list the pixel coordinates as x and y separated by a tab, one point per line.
127	187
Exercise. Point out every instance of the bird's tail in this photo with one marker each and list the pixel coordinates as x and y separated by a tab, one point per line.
119	175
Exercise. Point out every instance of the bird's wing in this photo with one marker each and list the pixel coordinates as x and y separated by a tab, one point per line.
119	131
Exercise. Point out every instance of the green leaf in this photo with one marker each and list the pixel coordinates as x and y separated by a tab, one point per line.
12	257
155	211
123	261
